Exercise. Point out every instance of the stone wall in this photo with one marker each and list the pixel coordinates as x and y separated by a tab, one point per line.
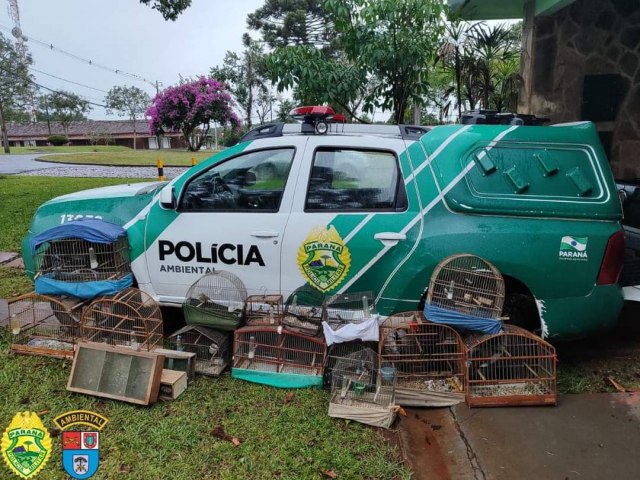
585	65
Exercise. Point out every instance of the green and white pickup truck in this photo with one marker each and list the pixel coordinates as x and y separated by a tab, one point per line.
375	208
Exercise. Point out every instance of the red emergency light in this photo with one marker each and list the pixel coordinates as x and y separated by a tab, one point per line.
317	117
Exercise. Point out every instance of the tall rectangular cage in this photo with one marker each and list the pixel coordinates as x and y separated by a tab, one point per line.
303	311
84	258
212	347
278	357
512	368
428	358
263	310
44	325
363	391
131	318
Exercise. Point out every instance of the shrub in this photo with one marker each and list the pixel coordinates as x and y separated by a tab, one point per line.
57	140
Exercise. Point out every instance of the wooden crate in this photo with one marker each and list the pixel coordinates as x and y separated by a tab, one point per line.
181	361
172	384
119	373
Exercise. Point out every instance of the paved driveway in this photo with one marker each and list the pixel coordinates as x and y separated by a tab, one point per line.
23	163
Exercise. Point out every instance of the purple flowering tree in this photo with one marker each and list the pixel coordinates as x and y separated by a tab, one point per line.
190	108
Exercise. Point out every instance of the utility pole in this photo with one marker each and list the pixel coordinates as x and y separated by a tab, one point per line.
21	50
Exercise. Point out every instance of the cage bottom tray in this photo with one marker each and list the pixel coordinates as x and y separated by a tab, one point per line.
282	376
443	385
377	416
515	393
47	347
205	367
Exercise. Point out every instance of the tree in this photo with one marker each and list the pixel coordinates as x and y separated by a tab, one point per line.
169	9
293	22
190	106
283	111
129	102
15	84
394	42
245	75
67	107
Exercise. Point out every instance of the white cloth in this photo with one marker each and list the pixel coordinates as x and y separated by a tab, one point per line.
366	331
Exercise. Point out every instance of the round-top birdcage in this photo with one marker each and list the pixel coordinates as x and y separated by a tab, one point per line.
363	390
467	284
130	318
514	367
429	360
215	300
43	325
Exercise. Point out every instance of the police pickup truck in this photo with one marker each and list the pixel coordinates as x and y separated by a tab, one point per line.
345	208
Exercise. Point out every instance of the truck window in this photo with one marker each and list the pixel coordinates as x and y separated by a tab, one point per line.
354	180
252	181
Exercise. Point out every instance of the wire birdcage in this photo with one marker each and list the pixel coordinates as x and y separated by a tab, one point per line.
339	350
261	310
429	360
43	325
353	307
212	347
277	357
78	260
514	367
215	300
303	312
130	318
467	284
363	391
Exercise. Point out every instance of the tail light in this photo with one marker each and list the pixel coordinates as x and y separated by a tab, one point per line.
611	266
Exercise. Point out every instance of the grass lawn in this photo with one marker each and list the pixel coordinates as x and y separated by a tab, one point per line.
133	157
68	149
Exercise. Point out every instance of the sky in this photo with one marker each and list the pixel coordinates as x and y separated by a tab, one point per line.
128	36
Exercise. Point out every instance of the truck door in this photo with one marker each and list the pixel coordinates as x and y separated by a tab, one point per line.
230	216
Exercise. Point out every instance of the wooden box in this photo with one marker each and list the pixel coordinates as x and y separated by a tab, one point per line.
181	361
172	384
116	372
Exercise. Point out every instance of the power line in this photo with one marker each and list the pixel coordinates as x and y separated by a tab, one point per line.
88	61
66	80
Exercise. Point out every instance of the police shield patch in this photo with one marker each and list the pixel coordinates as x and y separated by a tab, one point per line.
80	453
324	259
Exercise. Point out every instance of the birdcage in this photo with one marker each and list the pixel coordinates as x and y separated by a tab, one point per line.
339	350
429	360
343	308
215	300
466	291
130	318
84	258
363	391
263	310
514	367
212	347
277	357
43	325
303	311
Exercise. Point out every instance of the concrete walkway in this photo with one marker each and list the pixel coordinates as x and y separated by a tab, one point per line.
586	437
10	164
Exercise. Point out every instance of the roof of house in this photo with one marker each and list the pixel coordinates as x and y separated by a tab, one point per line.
77	129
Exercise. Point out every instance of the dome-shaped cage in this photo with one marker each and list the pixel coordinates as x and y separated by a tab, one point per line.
215	300
277	357
130	318
212	348
429	360
303	311
363	391
514	367
43	325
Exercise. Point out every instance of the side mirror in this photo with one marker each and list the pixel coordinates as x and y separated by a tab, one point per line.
168	197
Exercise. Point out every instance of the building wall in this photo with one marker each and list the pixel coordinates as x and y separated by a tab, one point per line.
585	65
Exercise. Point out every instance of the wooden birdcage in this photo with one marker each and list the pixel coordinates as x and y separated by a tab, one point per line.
261	310
75	259
429	360
467	284
337	351
512	368
303	312
363	391
353	307
130	318
212	347
277	357
215	300
44	325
